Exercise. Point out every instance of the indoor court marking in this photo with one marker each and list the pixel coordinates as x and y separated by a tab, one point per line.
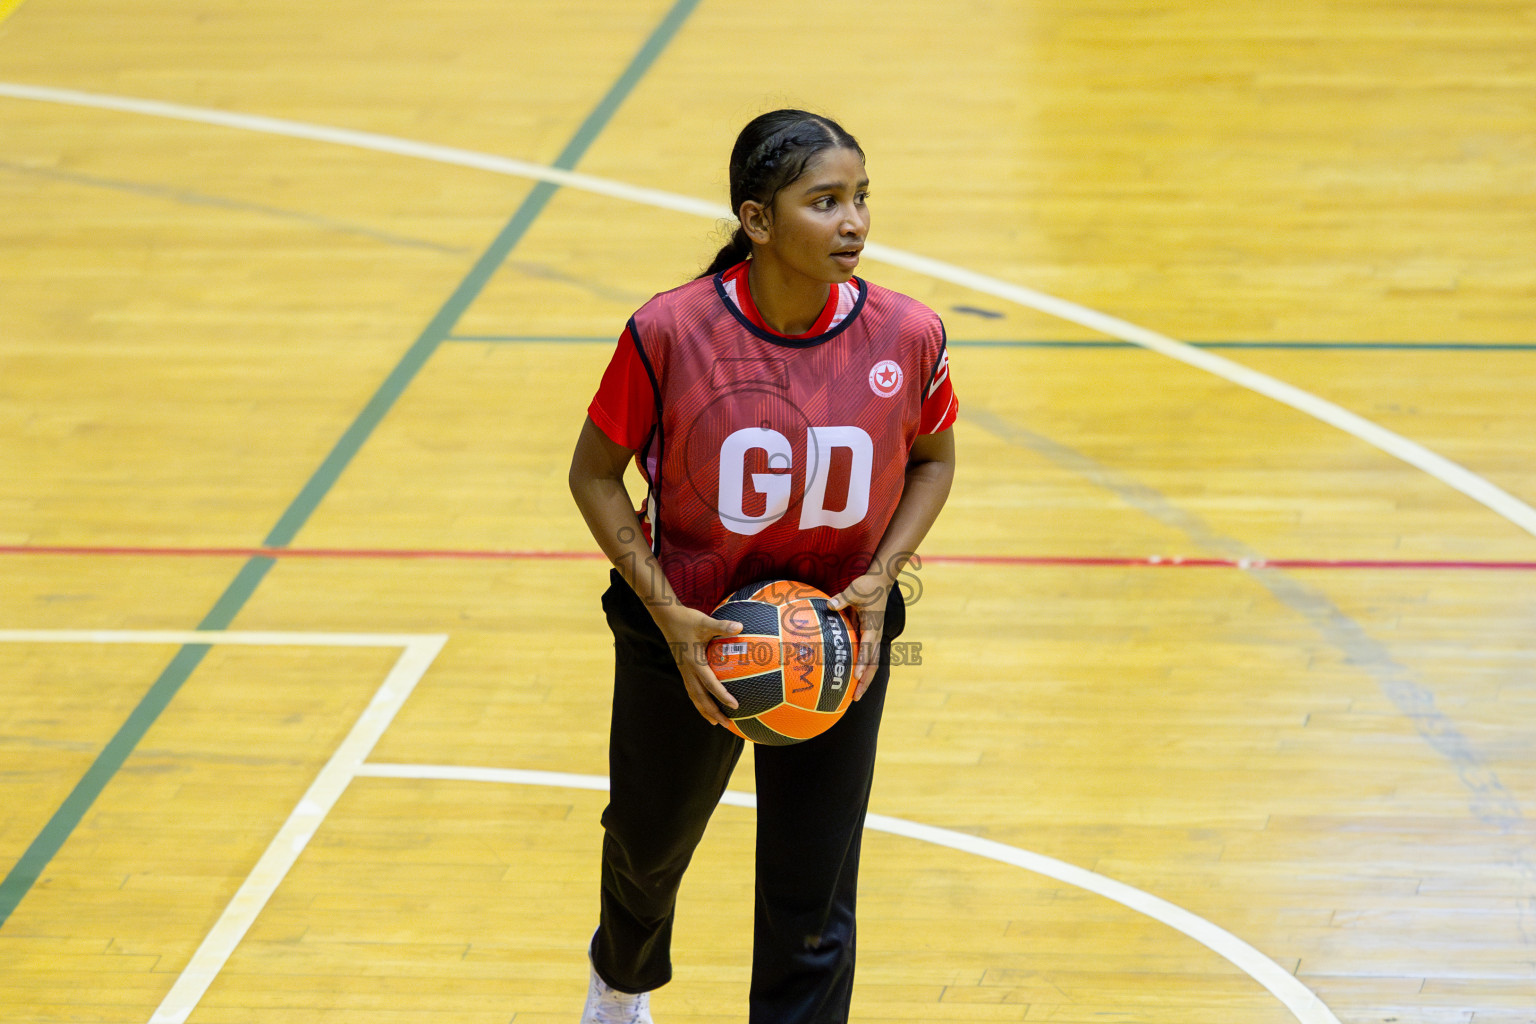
1414	454
1300	1000
18	881
1304	1004
349	761
1245	562
417	653
1335	622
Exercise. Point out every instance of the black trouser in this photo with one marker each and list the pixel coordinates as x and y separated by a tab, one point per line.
667	769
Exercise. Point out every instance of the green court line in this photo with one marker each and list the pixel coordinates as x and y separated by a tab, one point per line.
40	853
29	868
1394	346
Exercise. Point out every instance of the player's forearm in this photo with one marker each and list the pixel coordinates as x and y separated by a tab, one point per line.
597	484
604	504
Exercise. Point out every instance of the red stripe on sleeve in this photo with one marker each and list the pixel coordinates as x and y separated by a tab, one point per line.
624	407
939	411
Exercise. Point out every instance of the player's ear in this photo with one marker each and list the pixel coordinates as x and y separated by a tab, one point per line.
756	220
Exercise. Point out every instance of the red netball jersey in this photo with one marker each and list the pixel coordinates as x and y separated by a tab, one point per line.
769	456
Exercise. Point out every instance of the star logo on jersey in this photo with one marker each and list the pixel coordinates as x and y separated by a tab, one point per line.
885	378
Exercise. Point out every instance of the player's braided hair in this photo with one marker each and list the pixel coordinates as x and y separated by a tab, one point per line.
772	151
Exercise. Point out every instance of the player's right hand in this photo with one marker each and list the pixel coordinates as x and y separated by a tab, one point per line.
688	634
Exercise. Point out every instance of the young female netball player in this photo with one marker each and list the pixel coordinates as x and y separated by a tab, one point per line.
790	421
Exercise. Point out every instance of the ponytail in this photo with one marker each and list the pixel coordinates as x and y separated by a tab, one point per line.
730	254
772	151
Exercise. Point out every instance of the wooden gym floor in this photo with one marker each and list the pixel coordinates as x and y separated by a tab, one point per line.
1227	687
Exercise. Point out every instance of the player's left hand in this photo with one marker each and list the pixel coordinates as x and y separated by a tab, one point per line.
866	596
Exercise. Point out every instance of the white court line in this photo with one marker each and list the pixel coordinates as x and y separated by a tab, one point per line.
178	637
418	652
284	850
1296	997
1303	1003
1414	454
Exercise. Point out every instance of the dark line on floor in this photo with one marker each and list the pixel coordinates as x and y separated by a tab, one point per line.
28	870
186	197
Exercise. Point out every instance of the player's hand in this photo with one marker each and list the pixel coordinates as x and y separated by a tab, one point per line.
688	634
866	596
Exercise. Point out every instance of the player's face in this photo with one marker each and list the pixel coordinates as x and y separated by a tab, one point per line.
820	219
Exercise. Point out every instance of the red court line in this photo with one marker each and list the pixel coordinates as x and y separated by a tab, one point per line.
1181	562
1150	561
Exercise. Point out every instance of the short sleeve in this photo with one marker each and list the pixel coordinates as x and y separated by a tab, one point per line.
939	403
624	407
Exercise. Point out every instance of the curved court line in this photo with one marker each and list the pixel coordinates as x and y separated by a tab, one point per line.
1414	454
371	141
1452	474
1300	1000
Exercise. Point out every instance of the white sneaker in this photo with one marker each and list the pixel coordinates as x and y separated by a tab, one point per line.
606	1005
